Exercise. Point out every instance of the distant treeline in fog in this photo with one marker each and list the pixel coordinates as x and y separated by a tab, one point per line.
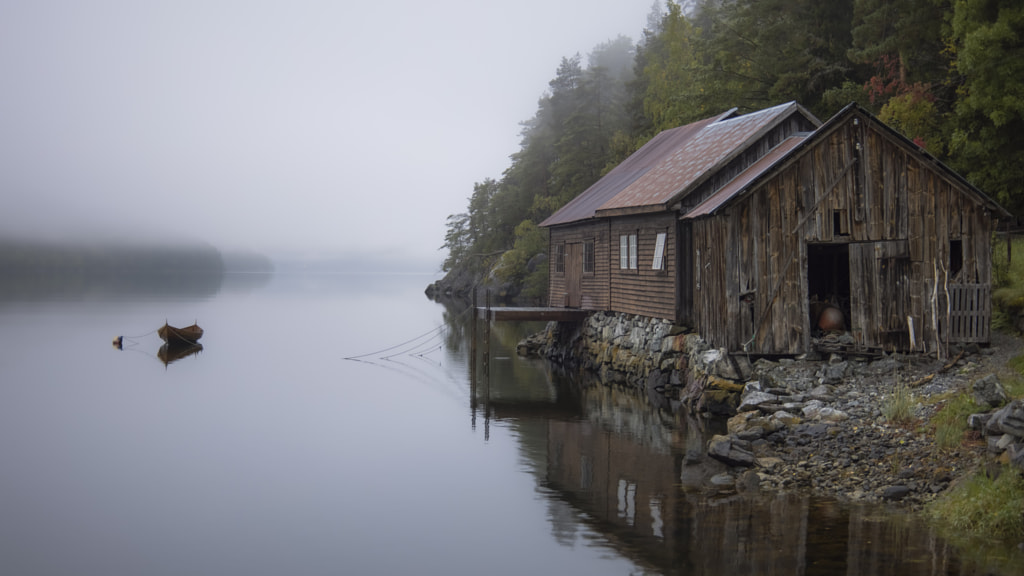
32	269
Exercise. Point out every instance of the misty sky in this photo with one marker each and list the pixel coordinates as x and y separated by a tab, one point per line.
330	126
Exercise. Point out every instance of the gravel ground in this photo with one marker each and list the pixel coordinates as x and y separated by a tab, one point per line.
849	450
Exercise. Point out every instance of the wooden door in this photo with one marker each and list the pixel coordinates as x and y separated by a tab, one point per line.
880	294
573	274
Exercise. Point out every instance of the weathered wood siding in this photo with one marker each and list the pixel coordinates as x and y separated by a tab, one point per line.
644	291
898	214
594	286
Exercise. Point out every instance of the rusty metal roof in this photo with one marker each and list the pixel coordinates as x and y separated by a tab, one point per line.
786	149
740	182
694	161
619	178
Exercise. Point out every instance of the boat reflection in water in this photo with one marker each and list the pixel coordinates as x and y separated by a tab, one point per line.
174	351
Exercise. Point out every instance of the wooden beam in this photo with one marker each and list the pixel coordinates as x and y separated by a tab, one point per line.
516	314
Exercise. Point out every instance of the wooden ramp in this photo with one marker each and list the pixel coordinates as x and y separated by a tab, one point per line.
516	314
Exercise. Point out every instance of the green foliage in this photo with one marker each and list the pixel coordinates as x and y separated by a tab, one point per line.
983	505
515	264
988	119
530	241
914	114
951	421
1008	281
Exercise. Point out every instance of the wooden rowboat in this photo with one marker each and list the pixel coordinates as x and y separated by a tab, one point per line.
172	335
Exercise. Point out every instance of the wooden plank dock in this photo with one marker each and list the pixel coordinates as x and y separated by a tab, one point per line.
524	314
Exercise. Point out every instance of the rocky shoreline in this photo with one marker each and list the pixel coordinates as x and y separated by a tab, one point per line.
819	427
813	424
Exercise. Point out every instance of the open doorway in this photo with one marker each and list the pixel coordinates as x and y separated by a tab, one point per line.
828	286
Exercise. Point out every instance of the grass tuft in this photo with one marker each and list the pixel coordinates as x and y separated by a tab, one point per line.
984	505
898	407
951	420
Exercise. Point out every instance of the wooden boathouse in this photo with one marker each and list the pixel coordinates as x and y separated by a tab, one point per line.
745	227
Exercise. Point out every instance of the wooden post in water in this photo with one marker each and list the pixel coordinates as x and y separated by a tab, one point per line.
487	338
487	369
472	361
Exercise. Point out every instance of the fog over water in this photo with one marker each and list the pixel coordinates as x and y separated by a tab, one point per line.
284	127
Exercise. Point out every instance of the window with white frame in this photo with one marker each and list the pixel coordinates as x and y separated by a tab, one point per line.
659	253
627	252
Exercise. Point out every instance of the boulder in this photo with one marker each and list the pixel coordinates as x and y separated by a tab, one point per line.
988	391
812	409
749	482
895	492
732	452
1016	455
830	414
751	400
822	393
741	421
832	374
1008	420
751	433
720	402
785	418
978	421
722	480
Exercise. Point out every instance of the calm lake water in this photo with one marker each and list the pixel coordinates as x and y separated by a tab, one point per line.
268	452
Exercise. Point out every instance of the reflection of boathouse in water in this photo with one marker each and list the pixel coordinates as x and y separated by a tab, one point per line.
623	468
612	461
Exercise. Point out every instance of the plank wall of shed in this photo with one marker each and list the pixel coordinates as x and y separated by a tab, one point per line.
594	286
644	291
750	266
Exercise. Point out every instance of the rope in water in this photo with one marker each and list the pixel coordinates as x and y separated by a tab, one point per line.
433	332
421	346
132	340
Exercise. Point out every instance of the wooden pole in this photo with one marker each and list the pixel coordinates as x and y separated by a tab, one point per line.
472	362
487	370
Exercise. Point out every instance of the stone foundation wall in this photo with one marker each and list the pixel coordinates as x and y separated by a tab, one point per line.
645	353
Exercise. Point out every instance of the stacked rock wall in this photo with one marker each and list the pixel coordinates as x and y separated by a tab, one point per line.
645	353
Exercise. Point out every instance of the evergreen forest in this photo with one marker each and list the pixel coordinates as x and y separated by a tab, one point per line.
949	74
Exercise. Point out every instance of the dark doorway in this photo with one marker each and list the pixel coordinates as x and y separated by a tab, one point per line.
573	274
828	280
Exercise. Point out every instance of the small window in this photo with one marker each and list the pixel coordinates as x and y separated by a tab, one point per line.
560	258
659	253
839	223
956	257
588	257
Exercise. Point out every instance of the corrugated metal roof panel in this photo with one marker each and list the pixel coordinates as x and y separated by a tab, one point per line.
619	178
717	143
740	182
